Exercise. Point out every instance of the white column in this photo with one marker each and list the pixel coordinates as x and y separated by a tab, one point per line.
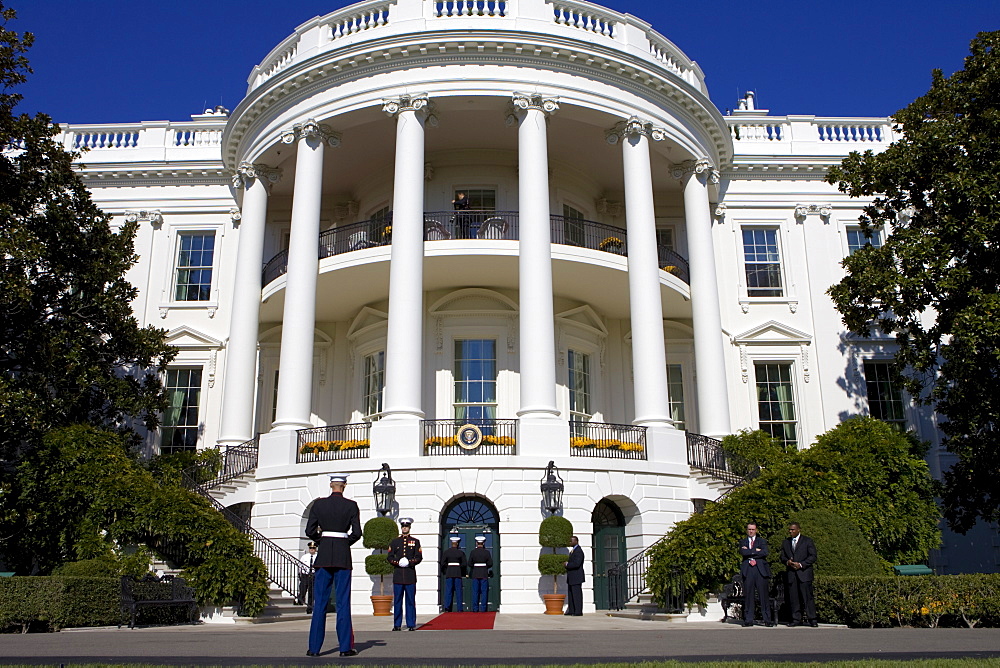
709	352
404	355
240	384
537	312
649	359
295	364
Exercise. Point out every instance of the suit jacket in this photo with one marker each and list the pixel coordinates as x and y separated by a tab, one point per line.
334	513
453	555
759	552
804	553
409	547
574	567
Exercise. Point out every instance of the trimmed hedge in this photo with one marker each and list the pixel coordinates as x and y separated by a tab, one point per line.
54	602
928	600
840	546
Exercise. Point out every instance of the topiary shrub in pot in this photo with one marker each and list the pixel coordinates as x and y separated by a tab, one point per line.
554	532
376	535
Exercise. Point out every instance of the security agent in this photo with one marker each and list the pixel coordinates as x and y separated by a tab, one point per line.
334	524
481	561
453	568
305	596
404	553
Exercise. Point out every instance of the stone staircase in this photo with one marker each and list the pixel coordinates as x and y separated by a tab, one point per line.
232	487
643	607
280	608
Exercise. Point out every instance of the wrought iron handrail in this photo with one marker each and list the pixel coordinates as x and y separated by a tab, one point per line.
499	437
707	454
283	568
627	580
235	461
335	441
599	439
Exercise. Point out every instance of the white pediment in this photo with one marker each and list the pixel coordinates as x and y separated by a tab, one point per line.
473	301
772	332
367	319
186	337
585	317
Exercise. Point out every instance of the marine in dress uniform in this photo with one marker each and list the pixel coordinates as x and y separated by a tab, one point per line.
404	553
480	563
575	578
453	569
334	524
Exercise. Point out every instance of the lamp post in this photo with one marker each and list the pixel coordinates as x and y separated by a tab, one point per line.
384	490
552	488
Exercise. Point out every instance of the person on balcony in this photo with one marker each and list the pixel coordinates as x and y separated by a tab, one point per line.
480	561
335	524
756	576
404	554
463	219
453	569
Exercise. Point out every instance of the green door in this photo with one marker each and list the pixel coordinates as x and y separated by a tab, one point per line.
609	547
465	519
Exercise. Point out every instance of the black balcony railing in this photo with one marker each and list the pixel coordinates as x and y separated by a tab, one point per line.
476	224
442	437
232	462
626	581
597	439
338	441
707	454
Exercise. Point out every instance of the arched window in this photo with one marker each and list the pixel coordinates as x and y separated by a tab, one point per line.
470	510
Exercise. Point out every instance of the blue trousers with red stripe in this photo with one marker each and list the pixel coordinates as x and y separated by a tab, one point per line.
339	580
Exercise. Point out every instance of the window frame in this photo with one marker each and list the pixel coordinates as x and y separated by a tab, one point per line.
199	426
904	422
784	287
168	302
795	398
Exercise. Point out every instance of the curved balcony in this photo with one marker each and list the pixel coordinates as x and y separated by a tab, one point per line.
482	225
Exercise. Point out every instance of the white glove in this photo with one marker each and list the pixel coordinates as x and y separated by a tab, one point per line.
404	562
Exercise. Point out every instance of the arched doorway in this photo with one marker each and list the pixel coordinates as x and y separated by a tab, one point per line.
609	546
468	517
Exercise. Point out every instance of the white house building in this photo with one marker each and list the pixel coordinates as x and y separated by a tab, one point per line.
634	272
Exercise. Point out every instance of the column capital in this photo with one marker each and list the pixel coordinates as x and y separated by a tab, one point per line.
634	125
246	172
417	102
683	170
311	130
522	102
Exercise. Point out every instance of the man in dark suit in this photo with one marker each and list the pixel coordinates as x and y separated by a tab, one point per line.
404	554
756	576
574	578
453	570
334	524
798	553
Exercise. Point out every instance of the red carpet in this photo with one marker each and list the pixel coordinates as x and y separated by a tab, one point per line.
461	621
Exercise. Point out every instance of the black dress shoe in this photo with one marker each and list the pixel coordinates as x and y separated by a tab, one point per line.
309	653
411	628
350	652
812	623
770	624
747	623
795	623
395	628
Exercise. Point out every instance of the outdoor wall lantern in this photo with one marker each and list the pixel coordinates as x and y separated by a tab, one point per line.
384	490
552	488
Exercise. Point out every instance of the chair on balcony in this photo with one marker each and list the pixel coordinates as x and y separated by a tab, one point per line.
359	240
435	231
493	228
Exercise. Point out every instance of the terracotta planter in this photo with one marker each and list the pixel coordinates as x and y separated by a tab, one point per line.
382	606
554	603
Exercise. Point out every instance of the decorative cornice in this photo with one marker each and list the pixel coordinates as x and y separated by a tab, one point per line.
311	130
247	172
803	210
634	126
698	167
417	102
154	217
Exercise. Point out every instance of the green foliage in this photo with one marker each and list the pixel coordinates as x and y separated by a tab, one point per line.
862	469
112	565
378	564
201	465
552	564
928	600
555	532
90	494
378	532
935	283
52	603
845	549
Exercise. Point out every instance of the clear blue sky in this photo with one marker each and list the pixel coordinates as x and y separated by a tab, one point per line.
110	61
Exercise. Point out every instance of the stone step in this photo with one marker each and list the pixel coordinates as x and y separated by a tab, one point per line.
648	614
280	608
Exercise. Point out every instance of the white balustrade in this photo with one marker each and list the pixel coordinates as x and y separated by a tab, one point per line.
344	24
851	132
447	8
584	17
757	132
105	139
198	137
283	59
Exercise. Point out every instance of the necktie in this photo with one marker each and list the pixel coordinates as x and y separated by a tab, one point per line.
795	542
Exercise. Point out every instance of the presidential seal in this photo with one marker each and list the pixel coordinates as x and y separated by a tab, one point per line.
469	437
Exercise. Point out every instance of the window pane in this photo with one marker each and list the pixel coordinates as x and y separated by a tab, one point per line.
762	262
475	380
180	420
195	254
856	239
775	402
885	401
374	384
675	392
579	386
